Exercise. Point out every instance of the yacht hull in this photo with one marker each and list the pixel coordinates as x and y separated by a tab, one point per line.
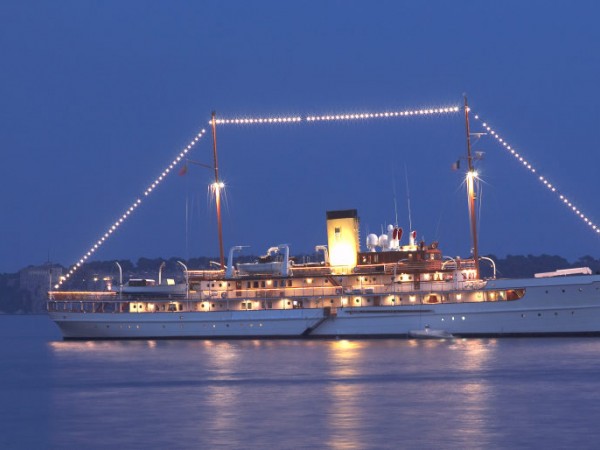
550	307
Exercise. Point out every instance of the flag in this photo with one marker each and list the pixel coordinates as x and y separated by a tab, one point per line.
183	170
456	165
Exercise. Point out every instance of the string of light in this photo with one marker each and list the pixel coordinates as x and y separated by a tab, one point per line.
338	117
256	120
542	179
384	115
113	227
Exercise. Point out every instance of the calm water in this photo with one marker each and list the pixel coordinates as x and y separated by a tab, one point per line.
477	393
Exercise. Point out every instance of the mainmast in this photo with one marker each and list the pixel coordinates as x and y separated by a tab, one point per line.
471	195
217	189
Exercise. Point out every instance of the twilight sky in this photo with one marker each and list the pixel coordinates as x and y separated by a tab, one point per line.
96	99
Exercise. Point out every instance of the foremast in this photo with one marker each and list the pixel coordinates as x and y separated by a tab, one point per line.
217	186
471	195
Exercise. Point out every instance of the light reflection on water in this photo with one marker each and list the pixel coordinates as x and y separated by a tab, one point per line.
344	408
336	394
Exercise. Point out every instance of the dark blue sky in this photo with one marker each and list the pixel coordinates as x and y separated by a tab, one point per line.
97	97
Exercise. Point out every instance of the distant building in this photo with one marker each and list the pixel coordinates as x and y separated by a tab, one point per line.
37	280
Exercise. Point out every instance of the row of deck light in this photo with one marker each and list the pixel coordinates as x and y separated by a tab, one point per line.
261	120
384	115
550	186
338	117
112	228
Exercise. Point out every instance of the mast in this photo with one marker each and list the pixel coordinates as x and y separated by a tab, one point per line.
471	175
217	188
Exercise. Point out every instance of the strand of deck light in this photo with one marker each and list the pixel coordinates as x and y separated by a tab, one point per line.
552	187
247	121
384	115
129	210
337	117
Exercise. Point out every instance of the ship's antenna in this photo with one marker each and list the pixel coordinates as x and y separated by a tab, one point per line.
471	178
408	199
395	199
187	225
217	189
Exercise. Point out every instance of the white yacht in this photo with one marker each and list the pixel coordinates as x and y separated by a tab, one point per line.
393	288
